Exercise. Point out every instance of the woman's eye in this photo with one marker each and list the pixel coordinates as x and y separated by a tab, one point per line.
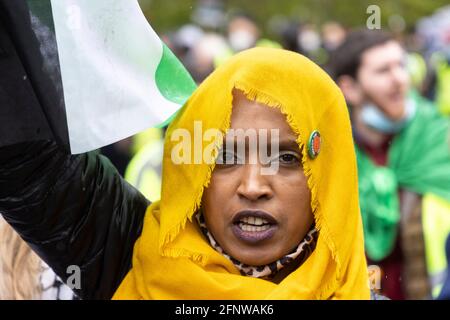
289	158
226	157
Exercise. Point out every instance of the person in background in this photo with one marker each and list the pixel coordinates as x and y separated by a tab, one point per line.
201	59
403	153
23	276
443	82
432	33
445	292
243	33
333	34
145	168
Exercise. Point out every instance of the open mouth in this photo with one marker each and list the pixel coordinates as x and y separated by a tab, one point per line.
253	225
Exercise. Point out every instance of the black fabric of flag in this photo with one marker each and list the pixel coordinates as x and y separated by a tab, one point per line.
84	73
31	94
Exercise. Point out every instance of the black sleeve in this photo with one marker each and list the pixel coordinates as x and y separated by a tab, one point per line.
72	210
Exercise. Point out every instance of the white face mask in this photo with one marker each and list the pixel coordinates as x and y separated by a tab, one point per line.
373	117
241	40
309	40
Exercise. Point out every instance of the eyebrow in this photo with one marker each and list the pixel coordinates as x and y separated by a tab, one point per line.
283	144
289	144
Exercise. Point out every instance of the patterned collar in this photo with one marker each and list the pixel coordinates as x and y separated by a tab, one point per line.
268	271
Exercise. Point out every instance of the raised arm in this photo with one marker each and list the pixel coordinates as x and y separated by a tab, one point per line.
72	210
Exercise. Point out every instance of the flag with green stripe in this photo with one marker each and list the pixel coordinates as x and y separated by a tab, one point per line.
90	72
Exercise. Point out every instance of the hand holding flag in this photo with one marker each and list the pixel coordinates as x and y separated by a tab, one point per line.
86	73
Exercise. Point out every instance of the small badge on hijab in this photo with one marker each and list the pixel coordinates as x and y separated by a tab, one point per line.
314	144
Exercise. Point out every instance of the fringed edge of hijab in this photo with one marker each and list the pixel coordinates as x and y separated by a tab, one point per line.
165	248
266	99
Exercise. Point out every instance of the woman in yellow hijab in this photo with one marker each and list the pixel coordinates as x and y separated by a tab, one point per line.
226	229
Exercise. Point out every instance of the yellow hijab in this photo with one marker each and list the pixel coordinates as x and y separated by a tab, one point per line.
173	260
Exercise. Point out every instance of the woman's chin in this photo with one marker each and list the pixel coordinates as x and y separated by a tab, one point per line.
255	257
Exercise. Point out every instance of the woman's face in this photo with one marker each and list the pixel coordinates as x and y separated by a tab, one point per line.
257	217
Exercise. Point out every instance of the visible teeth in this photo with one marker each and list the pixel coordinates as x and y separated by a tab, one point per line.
259	221
256	221
249	228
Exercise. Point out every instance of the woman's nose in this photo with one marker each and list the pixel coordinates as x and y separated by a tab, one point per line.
253	184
